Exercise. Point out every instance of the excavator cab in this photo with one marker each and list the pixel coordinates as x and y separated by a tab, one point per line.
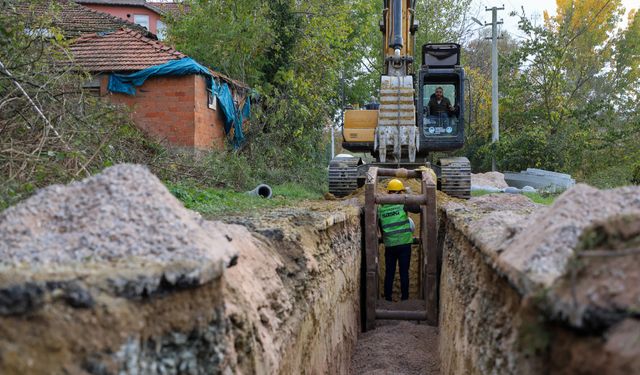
440	120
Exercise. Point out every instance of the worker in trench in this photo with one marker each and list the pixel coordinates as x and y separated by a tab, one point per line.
397	234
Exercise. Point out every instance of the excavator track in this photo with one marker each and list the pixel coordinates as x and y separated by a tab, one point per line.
455	177
343	175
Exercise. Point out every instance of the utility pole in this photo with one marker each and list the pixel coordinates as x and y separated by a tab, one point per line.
495	114
333	137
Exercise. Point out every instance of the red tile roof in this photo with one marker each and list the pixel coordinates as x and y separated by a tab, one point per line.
174	9
121	51
74	19
138	3
127	51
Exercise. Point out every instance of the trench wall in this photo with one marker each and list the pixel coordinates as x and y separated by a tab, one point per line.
505	314
289	305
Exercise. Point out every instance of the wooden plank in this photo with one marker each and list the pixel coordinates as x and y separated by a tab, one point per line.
400	199
431	269
371	248
401	315
400	173
424	244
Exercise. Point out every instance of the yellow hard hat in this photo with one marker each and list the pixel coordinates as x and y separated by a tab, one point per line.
395	185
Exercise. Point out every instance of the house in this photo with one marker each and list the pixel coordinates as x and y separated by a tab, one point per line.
74	20
147	14
179	107
185	108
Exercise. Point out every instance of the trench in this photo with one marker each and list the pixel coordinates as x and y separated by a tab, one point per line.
292	303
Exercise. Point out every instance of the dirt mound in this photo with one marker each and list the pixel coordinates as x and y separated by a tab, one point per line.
403	348
121	220
543	250
490	179
124	212
602	285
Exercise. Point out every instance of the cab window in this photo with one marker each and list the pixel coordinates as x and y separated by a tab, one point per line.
440	110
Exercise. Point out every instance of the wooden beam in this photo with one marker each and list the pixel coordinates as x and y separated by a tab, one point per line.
431	246
401	315
410	199
371	249
400	173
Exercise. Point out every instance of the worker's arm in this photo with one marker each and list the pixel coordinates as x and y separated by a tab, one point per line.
413	208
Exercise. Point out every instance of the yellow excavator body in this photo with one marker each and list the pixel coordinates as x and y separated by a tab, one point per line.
360	126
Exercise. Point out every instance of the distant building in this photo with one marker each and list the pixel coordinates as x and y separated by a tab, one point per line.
180	109
74	20
147	14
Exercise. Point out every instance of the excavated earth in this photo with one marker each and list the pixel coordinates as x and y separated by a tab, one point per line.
112	275
527	289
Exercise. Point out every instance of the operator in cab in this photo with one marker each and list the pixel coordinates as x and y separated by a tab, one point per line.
440	104
397	233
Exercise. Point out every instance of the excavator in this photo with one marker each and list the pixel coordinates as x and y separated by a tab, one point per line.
410	123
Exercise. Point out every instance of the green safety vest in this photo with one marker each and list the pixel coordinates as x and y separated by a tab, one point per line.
394	221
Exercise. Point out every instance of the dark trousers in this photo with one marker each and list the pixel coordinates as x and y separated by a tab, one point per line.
392	255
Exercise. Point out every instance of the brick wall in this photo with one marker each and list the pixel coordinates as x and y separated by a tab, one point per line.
209	124
174	109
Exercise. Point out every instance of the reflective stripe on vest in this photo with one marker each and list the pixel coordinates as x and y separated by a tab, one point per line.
394	222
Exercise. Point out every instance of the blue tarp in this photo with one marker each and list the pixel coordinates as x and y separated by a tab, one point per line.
233	117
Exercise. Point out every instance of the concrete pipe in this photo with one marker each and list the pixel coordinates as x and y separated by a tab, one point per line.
262	190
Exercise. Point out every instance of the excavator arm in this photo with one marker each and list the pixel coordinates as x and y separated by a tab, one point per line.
396	129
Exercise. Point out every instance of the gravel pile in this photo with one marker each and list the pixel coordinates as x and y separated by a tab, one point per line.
124	214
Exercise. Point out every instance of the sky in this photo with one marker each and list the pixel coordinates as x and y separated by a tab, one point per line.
533	8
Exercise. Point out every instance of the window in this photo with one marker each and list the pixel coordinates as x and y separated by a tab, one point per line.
212	101
440	117
92	85
142	20
161	30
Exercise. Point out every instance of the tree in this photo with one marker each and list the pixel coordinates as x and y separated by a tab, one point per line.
443	21
564	104
50	130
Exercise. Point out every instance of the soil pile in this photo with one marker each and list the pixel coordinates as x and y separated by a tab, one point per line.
543	249
120	230
403	348
125	212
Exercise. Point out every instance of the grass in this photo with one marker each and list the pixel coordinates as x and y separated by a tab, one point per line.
213	202
542	198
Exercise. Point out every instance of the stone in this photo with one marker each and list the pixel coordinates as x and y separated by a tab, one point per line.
489	179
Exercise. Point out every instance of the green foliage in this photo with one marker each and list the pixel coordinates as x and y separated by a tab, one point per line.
50	130
442	21
542	198
228	35
568	98
211	202
292	54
